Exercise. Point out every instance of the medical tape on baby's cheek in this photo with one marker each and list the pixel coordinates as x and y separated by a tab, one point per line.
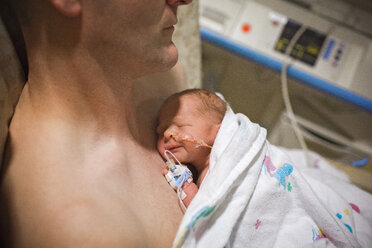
188	138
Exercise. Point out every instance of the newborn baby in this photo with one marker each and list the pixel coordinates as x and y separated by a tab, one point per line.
188	123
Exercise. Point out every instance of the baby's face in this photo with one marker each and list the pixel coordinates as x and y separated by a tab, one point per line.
181	119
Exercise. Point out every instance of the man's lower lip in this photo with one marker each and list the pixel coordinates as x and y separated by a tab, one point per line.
170	28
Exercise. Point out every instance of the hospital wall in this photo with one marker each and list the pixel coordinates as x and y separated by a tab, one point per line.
187	40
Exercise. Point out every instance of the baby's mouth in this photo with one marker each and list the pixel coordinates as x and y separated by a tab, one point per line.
172	147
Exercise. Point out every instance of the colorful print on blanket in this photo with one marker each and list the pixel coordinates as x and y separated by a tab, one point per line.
281	174
204	212
339	216
318	235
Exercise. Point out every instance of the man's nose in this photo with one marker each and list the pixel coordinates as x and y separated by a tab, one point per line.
178	2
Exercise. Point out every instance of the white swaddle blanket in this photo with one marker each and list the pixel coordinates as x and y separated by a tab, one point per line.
259	195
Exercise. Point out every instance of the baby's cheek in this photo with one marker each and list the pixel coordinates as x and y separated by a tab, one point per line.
160	146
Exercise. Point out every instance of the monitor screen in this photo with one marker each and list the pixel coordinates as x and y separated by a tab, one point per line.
307	47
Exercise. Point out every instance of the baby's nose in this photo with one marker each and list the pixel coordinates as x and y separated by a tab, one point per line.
168	134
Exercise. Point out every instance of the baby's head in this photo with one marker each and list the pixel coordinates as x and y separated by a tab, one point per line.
188	123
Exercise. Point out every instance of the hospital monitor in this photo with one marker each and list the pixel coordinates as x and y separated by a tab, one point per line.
330	51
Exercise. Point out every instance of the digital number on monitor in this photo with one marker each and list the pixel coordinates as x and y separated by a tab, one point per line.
308	46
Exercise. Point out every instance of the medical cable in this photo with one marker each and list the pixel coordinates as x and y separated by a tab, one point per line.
169	160
285	94
181	180
179	194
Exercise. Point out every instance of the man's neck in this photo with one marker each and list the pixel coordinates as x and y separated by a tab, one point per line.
84	94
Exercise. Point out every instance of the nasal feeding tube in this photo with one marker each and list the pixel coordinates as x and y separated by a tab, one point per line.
191	140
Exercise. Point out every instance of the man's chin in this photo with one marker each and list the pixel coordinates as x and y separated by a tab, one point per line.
170	59
163	62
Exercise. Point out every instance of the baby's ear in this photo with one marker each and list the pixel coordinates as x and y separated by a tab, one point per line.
216	127
69	8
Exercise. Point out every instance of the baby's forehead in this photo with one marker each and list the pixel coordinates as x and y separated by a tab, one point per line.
183	98
175	103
